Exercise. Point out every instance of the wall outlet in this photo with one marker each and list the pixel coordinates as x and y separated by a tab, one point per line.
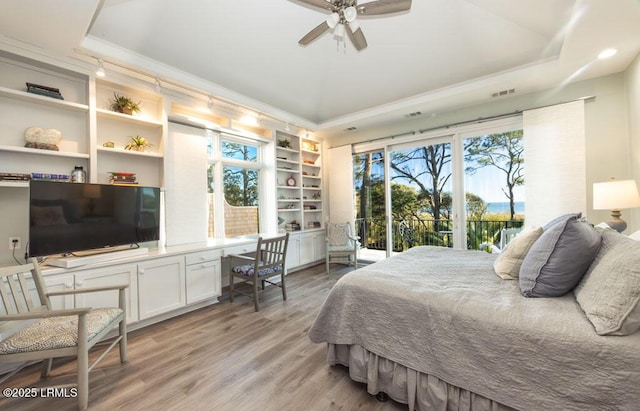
15	243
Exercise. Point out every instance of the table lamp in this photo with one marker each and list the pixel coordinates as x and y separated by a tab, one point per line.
615	195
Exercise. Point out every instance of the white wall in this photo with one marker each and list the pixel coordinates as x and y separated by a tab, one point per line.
632	82
606	127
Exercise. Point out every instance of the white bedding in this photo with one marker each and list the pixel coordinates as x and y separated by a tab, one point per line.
444	312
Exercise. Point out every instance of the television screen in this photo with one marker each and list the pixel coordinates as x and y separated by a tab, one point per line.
68	217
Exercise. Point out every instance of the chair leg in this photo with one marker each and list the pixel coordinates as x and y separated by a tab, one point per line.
83	364
263	285
255	295
230	288
284	288
327	262
123	340
46	367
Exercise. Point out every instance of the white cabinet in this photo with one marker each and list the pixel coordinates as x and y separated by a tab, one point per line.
203	276
161	286
305	248
109	276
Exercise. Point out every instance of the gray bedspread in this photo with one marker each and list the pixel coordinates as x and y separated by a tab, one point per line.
444	312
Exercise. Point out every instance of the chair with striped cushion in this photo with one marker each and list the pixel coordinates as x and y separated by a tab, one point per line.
268	261
44	333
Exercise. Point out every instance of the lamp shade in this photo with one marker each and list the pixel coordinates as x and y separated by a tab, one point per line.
615	195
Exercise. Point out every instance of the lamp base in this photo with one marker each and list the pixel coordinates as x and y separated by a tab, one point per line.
616	222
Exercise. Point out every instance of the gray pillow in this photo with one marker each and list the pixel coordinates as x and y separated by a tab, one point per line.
609	294
558	260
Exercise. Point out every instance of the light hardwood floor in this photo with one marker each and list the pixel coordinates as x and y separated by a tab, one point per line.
222	357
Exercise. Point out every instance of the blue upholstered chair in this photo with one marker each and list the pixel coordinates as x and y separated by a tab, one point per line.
269	260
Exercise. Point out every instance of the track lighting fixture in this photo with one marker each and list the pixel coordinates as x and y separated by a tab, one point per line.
100	70
210	103
157	87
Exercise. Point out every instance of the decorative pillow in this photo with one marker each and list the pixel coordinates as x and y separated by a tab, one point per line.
507	265
43	216
558	260
609	294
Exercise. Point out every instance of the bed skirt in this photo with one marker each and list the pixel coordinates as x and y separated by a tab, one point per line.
422	392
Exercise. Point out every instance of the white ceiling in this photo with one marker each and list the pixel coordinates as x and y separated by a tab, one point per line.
439	55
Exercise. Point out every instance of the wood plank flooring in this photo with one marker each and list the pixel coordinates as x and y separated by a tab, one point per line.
222	357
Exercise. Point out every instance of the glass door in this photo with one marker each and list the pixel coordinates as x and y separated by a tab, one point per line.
370	199
422	201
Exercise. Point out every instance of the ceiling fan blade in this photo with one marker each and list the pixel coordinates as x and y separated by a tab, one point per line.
314	34
357	38
323	4
383	7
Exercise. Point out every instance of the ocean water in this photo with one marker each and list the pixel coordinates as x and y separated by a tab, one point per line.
503	207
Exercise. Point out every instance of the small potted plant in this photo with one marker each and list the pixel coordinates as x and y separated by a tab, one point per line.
137	143
124	104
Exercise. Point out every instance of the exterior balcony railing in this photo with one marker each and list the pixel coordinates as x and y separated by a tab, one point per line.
412	232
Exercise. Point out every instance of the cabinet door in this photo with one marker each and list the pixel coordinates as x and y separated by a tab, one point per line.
306	249
55	283
203	281
293	252
124	274
161	286
319	245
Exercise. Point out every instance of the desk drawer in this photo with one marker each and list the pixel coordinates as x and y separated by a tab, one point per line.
240	249
202	256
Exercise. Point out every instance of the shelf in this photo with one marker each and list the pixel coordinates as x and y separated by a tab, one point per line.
280	210
312	177
310	165
46	101
25	150
312	188
289	200
288	150
319	210
119	151
289	187
288	170
127	118
312	200
315	153
14	184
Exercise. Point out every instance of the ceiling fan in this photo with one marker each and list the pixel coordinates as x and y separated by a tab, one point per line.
345	12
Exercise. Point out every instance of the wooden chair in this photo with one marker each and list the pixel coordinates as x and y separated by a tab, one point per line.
268	261
50	333
341	242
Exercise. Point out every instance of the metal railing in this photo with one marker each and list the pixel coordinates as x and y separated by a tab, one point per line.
412	232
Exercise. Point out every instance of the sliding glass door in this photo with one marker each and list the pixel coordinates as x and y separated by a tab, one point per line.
420	175
465	190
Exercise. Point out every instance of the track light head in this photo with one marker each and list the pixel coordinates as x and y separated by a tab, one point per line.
100	70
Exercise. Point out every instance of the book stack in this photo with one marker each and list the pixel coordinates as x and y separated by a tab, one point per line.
292	227
44	91
123	179
63	178
14	177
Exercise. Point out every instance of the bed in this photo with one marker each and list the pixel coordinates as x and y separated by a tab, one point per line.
437	329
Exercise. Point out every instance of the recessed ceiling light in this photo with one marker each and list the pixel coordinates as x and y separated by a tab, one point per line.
606	53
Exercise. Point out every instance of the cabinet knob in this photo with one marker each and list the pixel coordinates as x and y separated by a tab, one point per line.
203	258
68	285
141	271
79	283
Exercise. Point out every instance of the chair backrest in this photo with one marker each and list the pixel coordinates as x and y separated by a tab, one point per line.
272	251
15	295
506	235
338	234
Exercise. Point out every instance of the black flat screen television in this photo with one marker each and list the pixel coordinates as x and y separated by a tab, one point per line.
69	217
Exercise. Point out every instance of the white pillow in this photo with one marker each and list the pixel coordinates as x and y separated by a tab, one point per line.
609	294
635	236
507	265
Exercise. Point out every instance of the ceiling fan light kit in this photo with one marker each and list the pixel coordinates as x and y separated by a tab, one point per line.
345	13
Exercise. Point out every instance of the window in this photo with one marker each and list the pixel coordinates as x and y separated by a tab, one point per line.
234	165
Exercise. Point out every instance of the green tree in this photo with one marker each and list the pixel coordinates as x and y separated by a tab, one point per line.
427	168
504	151
476	207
